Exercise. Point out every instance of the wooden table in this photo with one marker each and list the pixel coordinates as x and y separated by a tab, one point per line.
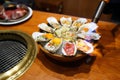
104	67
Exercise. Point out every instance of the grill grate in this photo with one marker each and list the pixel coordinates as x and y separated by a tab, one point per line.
11	52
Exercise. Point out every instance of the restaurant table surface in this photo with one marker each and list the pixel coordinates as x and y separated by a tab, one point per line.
106	65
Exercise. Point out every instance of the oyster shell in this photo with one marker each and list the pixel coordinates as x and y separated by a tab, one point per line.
87	28
53	45
38	37
84	46
77	23
53	22
89	36
45	27
69	49
66	21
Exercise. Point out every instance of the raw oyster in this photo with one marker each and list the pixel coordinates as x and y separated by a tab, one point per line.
69	49
45	27
87	28
38	37
84	46
77	23
53	45
66	21
89	36
53	22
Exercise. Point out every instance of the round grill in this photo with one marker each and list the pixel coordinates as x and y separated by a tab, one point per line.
17	52
11	52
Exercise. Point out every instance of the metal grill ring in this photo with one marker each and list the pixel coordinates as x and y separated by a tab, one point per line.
17	52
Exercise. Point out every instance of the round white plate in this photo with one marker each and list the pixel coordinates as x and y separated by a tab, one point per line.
24	18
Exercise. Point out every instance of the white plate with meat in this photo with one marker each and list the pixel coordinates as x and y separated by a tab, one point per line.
14	16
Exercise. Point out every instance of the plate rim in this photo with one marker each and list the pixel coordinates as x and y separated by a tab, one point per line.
19	21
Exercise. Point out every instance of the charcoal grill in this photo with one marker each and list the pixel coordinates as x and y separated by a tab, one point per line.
17	52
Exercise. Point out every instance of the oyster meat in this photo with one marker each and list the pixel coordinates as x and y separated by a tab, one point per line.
65	33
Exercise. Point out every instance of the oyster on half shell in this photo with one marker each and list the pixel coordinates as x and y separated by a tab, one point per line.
53	22
69	49
39	37
53	45
45	27
84	46
87	28
66	21
77	23
89	36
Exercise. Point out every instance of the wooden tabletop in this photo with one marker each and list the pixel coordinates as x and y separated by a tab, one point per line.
104	67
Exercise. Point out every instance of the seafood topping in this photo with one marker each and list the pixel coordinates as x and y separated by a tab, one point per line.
48	36
65	33
53	45
69	49
84	46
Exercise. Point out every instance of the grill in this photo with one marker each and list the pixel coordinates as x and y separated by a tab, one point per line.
17	52
11	52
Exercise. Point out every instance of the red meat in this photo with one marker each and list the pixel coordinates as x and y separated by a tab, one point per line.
14	14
